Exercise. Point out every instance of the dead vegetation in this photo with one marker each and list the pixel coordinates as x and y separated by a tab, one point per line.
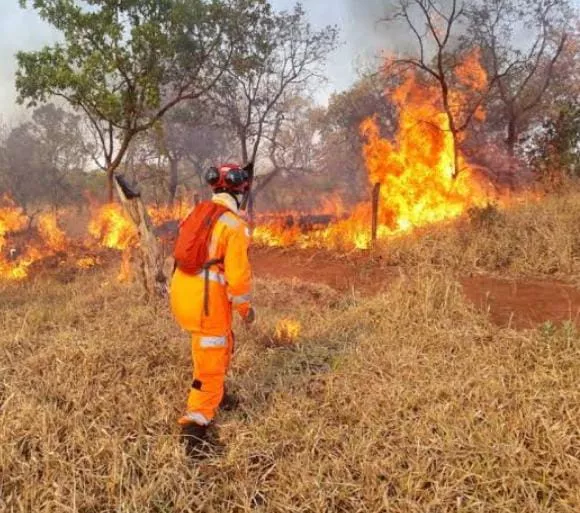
537	238
411	401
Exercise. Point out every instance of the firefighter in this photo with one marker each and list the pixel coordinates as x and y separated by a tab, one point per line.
212	279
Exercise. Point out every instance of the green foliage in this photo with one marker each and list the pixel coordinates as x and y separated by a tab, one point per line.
120	58
126	63
557	148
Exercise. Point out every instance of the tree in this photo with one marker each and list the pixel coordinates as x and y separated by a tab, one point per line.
455	70
126	64
43	159
555	149
282	59
341	153
522	42
293	140
178	151
59	136
21	169
192	136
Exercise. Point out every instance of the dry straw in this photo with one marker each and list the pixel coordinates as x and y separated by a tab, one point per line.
407	402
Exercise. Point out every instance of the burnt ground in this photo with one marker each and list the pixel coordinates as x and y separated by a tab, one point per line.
518	303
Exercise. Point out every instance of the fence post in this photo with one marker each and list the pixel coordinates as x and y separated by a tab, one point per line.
375	212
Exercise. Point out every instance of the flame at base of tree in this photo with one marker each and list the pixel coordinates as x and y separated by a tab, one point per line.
53	236
420	184
111	228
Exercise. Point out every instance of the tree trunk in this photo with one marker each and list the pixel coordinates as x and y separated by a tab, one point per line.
173	179
110	184
455	156
113	164
512	137
251	209
244	144
375	211
511	140
154	280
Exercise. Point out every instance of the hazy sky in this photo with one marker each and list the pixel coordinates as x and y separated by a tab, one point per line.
362	38
22	30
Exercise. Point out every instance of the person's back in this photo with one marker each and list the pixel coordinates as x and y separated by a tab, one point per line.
203	300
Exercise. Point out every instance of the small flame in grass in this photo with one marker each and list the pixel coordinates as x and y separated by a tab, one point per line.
163	214
87	262
287	330
18	270
14	264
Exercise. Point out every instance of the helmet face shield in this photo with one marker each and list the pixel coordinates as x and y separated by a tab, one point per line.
212	176
228	178
236	178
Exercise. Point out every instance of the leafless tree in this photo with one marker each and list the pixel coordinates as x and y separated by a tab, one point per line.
436	28
522	43
284	57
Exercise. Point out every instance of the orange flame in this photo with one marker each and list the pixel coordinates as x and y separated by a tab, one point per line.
87	262
416	171
163	214
54	238
287	330
14	266
12	219
111	227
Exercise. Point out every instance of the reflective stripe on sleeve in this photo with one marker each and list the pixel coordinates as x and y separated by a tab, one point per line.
240	300
209	342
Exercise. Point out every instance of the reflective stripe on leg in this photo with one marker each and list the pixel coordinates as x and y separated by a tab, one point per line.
209	342
194	418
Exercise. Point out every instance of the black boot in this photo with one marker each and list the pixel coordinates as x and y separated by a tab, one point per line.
195	439
229	402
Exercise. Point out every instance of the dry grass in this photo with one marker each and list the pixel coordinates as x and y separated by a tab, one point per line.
409	402
541	239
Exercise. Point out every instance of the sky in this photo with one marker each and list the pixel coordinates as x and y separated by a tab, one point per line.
362	40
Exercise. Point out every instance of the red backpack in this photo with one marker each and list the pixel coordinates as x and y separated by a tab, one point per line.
192	244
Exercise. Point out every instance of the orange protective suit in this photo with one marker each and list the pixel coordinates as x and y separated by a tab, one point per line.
229	288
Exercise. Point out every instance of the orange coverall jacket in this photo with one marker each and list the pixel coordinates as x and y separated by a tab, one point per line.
230	283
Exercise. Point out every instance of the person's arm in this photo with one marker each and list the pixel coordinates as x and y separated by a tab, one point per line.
238	272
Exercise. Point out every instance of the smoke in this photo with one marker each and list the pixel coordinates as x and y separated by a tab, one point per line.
22	29
370	36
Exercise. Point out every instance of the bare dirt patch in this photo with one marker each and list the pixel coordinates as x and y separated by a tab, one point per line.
523	303
517	303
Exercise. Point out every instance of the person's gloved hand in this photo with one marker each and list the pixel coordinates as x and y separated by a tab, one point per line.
250	318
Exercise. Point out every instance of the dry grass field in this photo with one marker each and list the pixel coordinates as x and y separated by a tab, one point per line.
407	401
